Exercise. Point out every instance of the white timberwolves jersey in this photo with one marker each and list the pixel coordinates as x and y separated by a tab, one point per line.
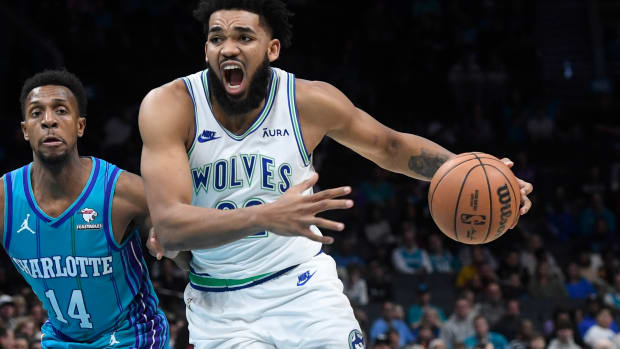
232	171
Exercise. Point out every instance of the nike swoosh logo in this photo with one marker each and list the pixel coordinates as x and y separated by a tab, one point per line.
301	283
202	139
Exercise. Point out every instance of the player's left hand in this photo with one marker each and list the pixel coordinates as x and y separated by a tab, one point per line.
526	189
155	248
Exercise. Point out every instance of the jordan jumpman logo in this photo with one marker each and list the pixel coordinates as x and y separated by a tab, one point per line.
25	225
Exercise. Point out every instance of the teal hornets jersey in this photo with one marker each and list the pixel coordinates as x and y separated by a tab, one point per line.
89	284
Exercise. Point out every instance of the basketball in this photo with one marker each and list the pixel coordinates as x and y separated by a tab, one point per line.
474	198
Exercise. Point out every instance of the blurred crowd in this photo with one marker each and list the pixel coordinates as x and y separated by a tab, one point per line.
465	74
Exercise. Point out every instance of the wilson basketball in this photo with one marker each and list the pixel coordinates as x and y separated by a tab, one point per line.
474	198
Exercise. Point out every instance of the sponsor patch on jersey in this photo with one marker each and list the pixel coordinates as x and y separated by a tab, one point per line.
88	215
356	339
274	132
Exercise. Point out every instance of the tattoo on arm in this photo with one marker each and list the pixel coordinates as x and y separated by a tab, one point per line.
426	164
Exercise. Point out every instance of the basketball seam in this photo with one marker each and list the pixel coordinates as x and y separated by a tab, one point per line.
490	199
458	199
430	208
513	189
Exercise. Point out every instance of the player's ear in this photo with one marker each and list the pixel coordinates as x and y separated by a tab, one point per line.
24	130
81	126
273	50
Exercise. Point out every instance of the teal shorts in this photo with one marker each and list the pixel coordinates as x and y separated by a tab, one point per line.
151	333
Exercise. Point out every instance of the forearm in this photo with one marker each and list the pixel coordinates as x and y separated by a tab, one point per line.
414	156
185	227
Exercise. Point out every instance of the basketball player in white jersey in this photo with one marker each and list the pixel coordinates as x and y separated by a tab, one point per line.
227	167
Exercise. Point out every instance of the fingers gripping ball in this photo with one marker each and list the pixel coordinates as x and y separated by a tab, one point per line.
474	198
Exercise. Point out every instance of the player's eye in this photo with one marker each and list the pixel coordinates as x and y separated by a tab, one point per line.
246	38
35	113
61	110
215	40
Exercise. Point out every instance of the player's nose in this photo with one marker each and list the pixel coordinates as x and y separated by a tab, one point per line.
49	119
230	49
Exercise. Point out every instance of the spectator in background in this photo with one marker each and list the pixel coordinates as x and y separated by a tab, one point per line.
7	340
545	285
430	320
593	307
535	253
509	323
381	342
492	308
602	328
483	336
379	285
460	324
414	315
442	261
425	334
377	228
524	335
408	258
390	318
564	337
537	342
577	287
512	265
477	254
7	311
348	252
356	288
394	339
596	210
612	298
21	342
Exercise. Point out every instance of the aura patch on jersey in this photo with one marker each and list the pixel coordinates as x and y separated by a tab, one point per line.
356	340
241	170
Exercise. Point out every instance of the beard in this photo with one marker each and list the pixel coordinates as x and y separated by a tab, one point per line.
52	160
239	105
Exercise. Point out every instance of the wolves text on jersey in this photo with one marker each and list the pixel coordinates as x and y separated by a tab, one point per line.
241	171
69	266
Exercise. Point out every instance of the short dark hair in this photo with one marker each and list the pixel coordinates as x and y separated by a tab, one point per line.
55	77
273	12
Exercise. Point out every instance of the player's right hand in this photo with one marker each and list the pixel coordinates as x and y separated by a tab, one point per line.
293	213
155	248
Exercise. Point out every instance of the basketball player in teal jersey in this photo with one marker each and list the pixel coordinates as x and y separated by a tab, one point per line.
68	228
227	168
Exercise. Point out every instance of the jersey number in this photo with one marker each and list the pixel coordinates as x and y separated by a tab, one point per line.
75	310
229	205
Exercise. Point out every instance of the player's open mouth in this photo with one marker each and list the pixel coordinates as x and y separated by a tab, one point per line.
52	141
234	77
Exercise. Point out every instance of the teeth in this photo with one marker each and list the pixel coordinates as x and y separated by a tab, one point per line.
230	67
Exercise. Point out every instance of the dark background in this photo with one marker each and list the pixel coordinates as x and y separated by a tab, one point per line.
531	80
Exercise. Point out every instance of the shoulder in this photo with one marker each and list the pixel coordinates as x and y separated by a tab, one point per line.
130	194
321	103
321	93
167	105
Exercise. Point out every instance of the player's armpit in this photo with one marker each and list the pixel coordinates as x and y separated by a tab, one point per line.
129	205
324	110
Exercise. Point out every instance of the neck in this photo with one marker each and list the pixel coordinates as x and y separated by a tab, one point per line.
60	179
237	123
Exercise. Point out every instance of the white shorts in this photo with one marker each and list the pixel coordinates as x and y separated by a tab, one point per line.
302	308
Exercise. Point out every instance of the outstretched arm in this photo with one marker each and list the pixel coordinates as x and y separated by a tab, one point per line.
166	121
325	110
